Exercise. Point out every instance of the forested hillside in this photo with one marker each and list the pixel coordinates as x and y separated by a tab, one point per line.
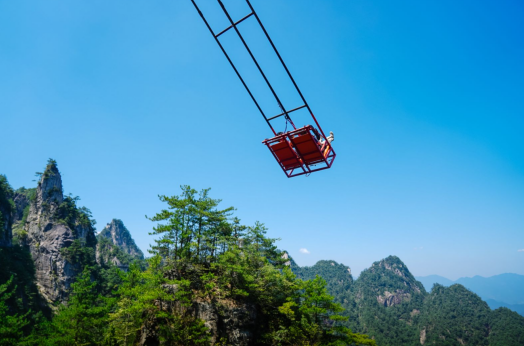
210	281
389	304
504	290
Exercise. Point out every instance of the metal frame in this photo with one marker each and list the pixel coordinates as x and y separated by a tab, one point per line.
325	150
285	113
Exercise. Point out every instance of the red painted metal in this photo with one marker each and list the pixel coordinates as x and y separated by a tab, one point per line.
299	152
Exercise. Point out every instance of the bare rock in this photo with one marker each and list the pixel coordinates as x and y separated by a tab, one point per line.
392	299
423	336
48	235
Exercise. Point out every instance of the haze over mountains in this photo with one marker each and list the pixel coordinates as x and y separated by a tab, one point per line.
504	290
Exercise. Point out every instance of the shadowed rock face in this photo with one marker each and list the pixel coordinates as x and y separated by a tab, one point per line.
118	234
47	236
21	202
6	218
6	221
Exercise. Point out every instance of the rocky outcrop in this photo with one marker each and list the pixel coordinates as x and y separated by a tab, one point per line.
226	321
392	299
119	235
53	225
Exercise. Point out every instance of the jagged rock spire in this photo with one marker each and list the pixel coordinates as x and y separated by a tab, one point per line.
50	230
119	235
50	186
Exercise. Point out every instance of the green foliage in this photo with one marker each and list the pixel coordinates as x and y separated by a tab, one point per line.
84	320
19	232
68	213
50	168
6	193
107	251
223	261
30	194
309	317
148	297
6	206
446	316
17	265
11	325
337	276
453	313
195	229
79	254
507	328
21	307
202	257
125	238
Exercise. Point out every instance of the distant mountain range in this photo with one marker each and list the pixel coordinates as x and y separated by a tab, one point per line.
504	290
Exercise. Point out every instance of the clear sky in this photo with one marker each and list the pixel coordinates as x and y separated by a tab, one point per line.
426	100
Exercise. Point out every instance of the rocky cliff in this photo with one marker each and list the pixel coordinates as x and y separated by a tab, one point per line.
229	321
54	224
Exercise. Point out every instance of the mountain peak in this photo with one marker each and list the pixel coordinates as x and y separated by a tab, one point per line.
119	235
50	185
394	265
389	281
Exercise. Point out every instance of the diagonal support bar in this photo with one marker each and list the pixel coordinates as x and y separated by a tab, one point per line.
255	61
290	111
284	65
229	27
233	65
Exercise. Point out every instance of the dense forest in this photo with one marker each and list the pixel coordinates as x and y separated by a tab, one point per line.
209	280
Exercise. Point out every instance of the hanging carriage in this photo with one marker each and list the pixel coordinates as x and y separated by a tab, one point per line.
300	150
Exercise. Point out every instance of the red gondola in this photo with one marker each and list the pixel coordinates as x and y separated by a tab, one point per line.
298	151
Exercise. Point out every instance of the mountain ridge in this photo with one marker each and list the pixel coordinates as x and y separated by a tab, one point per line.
501	290
388	303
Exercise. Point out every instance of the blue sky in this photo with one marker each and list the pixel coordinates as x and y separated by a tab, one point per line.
134	99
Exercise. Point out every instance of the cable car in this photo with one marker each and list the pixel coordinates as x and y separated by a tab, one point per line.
298	151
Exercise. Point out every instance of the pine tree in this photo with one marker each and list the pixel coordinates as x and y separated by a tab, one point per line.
11	325
84	320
